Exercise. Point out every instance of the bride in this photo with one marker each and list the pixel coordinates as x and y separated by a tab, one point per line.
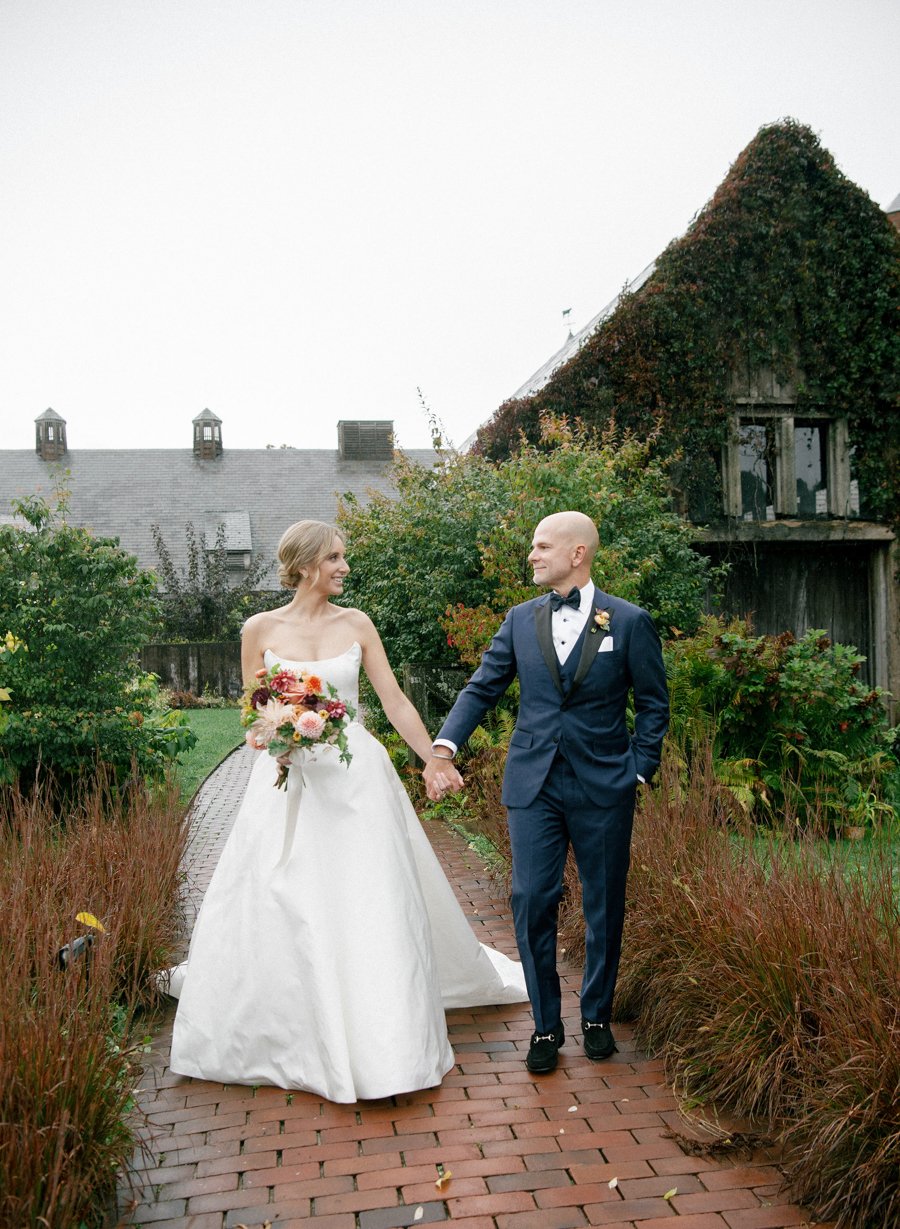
326	951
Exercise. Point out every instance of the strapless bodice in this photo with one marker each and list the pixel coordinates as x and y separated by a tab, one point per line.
342	672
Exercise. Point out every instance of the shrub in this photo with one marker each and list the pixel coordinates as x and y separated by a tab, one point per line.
80	608
438	566
416	551
764	965
203	602
189	699
793	727
66	1037
645	553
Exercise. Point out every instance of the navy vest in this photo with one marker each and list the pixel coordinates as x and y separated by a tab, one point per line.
569	667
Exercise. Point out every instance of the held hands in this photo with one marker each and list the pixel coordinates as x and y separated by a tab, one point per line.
440	775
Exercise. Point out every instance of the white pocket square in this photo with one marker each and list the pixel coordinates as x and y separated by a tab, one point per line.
606	645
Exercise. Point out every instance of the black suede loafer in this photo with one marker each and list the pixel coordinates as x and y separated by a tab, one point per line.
598	1040
543	1052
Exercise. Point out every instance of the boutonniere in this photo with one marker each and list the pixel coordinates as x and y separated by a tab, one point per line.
601	621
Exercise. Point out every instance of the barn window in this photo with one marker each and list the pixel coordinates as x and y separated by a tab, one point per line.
776	465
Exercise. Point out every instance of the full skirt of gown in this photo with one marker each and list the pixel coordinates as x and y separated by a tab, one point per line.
324	959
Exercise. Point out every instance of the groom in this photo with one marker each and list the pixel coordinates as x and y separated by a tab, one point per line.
572	769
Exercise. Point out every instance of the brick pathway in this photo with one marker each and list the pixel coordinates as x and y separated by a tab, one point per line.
590	1144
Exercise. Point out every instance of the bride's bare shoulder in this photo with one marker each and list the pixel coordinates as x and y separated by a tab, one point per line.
259	624
358	620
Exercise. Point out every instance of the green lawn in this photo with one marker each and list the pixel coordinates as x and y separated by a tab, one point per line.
218	731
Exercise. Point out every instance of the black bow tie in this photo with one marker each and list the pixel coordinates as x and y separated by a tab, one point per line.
557	601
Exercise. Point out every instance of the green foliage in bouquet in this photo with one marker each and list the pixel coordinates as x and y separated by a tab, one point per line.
76	609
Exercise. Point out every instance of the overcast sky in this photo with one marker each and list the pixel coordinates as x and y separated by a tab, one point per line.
296	211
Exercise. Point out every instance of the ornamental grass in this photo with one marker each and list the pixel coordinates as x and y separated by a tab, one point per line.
768	976
68	1036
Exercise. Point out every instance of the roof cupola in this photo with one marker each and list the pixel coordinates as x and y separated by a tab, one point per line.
207	436
50	436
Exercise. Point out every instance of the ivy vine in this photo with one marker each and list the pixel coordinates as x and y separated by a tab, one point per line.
790	267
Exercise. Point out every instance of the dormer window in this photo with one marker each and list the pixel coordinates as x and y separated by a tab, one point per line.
232	531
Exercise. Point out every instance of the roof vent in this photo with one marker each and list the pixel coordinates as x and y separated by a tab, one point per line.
365	440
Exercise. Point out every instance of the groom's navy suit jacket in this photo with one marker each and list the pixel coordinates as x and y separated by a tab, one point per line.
586	721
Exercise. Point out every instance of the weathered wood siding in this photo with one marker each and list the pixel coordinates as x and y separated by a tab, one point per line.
784	587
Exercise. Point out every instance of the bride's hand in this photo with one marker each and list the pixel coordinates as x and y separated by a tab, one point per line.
440	775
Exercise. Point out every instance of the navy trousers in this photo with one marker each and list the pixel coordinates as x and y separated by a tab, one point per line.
540	835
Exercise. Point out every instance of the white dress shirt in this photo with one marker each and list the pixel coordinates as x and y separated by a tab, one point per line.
567	623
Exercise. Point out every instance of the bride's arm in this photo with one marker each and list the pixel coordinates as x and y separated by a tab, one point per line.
252	648
399	711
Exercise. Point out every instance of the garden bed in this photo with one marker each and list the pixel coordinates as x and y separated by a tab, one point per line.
70	1037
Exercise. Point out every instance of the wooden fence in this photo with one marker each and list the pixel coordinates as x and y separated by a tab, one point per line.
196	667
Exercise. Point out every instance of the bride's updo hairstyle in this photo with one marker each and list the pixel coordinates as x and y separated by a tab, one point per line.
302	548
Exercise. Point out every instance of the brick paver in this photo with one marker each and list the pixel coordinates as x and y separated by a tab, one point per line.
590	1144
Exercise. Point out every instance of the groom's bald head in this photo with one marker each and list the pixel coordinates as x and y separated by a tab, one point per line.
562	550
574	528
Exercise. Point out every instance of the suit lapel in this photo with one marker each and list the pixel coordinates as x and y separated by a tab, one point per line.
542	614
589	647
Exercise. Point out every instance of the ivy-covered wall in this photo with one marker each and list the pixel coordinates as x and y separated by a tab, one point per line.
790	267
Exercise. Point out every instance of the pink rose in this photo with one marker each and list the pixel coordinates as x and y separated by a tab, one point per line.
309	724
289	686
252	739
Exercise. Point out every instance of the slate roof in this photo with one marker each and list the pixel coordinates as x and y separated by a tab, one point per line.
256	492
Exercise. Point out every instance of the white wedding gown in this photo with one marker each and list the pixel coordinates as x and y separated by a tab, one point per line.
325	961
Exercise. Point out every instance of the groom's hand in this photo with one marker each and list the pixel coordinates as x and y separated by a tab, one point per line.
440	775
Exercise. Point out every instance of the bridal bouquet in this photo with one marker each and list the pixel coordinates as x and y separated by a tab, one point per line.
287	710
